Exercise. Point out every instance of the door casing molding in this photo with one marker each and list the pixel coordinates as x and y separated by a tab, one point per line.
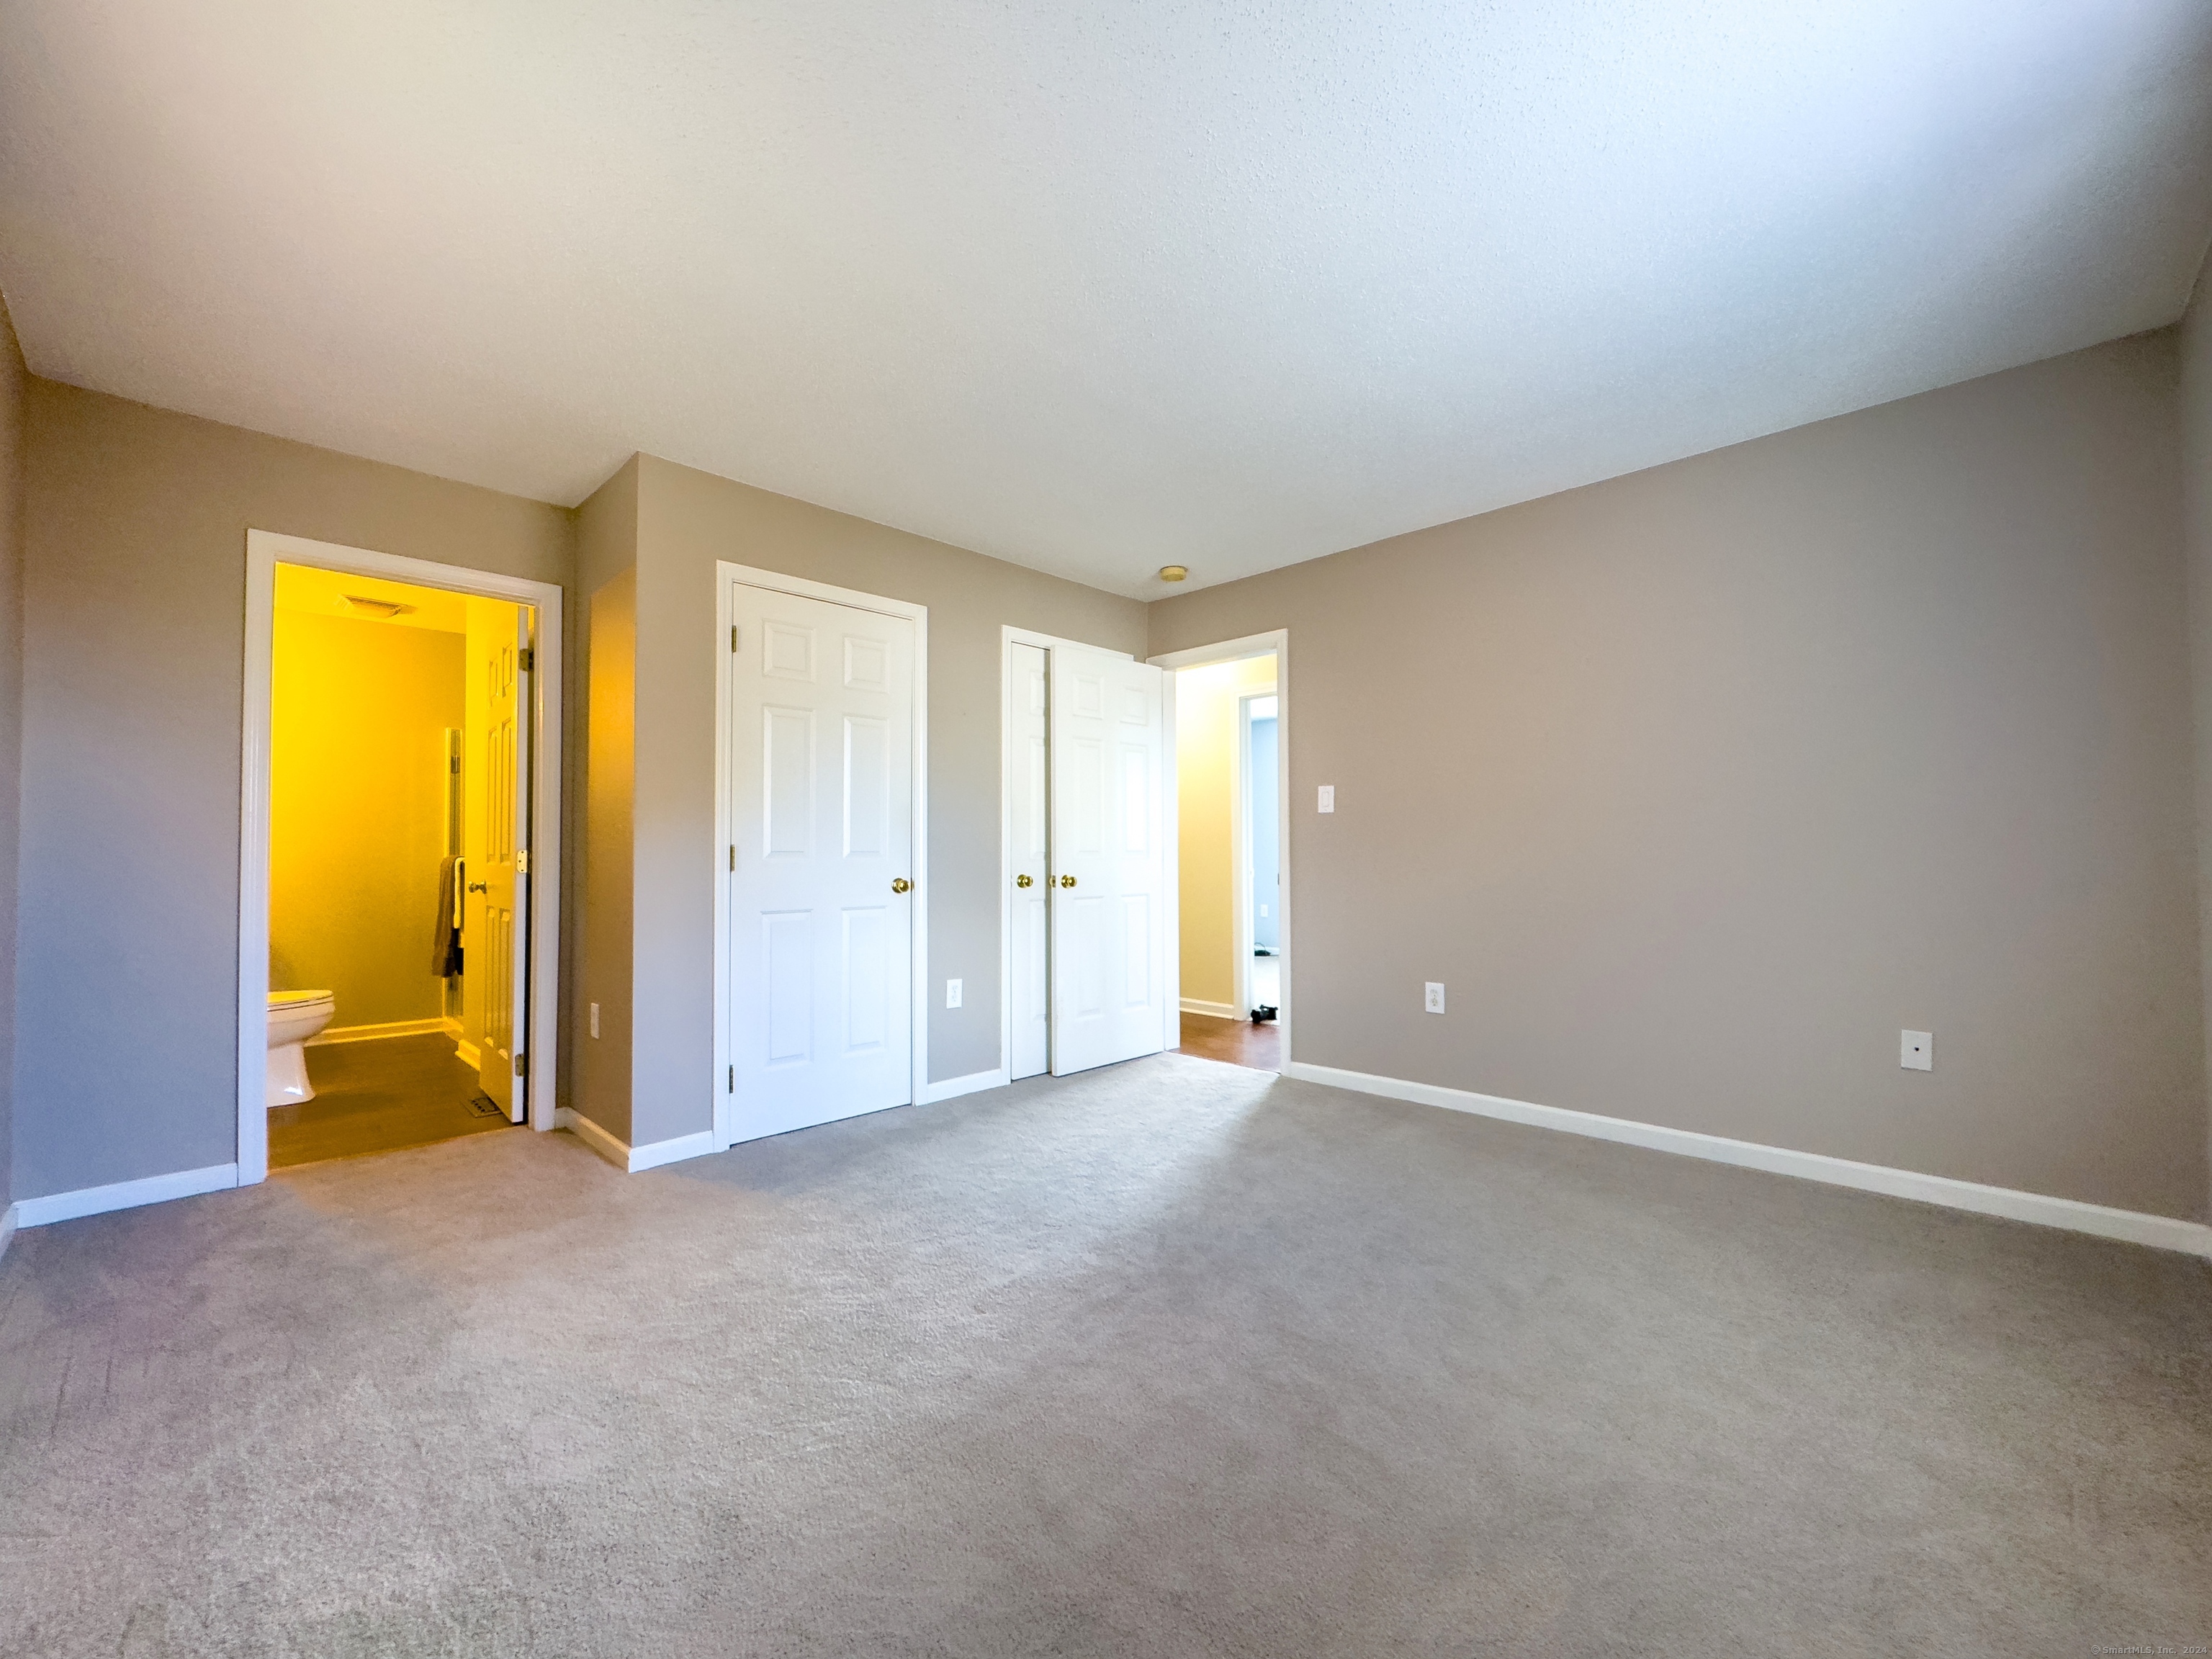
264	549
1244	924
727	575
1257	645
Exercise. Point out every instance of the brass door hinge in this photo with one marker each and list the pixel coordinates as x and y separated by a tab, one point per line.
518	1058
529	659
733	636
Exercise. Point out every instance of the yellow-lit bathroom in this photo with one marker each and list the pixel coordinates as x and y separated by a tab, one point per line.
398	829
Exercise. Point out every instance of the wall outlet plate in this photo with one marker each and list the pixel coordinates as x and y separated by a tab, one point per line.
953	994
1915	1050
1432	998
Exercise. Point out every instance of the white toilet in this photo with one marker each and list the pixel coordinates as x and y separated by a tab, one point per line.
294	1017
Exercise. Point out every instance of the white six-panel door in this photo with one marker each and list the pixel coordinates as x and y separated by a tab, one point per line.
821	905
506	871
1029	861
1109	834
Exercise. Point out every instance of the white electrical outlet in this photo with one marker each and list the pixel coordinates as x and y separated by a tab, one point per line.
1915	1050
595	1019
1432	998
1263	909
1328	798
953	994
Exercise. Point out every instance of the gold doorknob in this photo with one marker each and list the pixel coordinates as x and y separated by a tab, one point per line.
900	884
1067	881
1024	881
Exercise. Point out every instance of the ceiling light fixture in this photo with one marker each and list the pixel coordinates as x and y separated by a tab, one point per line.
1173	573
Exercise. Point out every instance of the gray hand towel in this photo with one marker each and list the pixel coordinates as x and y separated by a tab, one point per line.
446	942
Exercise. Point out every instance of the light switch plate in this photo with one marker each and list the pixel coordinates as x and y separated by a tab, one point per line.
1432	998
1916	1051
953	994
1328	798
595	1019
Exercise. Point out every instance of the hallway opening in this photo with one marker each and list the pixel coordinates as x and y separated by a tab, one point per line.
1233	933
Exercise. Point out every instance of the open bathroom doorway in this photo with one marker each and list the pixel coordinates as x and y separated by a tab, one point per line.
1233	893
399	870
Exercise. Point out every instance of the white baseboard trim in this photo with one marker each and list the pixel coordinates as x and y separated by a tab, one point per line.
616	1152
1217	1009
391	1029
653	1154
7	1229
626	1157
123	1195
468	1054
953	1087
2133	1226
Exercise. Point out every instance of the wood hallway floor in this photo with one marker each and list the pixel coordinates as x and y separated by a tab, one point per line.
379	1095
1238	1042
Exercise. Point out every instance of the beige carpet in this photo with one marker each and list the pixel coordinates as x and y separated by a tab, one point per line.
1175	1359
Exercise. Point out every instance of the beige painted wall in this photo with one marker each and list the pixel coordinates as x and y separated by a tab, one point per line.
2196	430
606	571
1206	813
357	811
604	1074
1696	786
134	644
13	385
684	521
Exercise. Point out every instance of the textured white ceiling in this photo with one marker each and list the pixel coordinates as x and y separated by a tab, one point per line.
1090	287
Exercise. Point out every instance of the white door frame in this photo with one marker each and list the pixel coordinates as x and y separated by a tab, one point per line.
1256	644
1243	925
264	549
1010	636
724	829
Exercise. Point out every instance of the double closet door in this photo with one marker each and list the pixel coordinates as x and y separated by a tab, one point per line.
821	906
1089	854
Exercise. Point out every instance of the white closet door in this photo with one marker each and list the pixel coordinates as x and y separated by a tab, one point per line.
1029	858
1110	869
821	903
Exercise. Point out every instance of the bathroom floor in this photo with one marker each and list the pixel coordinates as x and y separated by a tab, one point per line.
379	1095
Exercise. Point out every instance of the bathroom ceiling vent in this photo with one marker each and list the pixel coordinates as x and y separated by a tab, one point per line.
387	608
